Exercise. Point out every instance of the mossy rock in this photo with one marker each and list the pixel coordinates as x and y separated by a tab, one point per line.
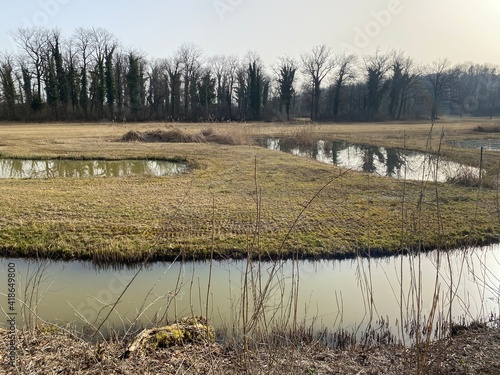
48	329
189	330
192	330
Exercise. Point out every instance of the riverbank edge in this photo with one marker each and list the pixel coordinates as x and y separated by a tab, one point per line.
473	351
174	255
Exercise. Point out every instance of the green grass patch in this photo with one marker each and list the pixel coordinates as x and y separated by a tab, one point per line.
131	219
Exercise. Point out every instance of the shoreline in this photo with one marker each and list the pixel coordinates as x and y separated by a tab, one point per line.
238	256
473	351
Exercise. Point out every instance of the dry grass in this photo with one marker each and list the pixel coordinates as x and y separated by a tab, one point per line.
120	219
178	136
487	129
50	351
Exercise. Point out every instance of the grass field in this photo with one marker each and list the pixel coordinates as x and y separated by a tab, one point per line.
231	188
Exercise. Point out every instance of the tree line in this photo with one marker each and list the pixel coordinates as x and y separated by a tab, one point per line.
88	76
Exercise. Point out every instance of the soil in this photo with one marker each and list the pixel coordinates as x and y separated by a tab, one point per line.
61	352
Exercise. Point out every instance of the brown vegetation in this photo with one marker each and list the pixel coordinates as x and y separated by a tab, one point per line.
487	129
178	136
57	351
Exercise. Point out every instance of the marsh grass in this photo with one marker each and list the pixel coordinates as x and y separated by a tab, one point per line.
173	135
469	178
487	129
306	137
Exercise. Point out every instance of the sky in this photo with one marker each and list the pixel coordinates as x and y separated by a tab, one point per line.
426	30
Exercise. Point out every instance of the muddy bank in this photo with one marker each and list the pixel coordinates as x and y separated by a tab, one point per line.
55	351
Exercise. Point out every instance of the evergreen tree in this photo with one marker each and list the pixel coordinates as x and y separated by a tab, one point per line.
61	76
286	79
255	90
265	92
8	87
376	66
28	94
101	86
206	92
74	84
84	95
110	83
134	84
51	87
241	93
397	83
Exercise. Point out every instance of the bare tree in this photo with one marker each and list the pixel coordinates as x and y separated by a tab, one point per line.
35	42
189	55
158	90
441	77
474	92
224	68
316	65
7	85
173	66
345	73
85	47
218	65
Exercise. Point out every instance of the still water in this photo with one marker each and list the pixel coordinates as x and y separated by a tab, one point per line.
391	162
22	168
333	294
487	144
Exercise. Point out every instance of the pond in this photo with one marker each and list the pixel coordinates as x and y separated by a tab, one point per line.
391	162
23	168
351	294
487	144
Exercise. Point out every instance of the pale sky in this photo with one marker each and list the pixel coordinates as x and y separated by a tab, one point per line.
460	30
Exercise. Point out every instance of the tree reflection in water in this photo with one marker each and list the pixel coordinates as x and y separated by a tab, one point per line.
368	158
18	168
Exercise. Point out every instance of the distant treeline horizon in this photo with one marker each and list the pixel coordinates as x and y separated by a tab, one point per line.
88	76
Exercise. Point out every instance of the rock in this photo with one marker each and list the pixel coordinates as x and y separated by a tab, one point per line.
192	330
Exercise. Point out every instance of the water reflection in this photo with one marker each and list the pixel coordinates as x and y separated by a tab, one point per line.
22	168
487	144
333	294
391	162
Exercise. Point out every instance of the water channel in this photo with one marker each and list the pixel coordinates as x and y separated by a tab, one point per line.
330	294
23	168
391	162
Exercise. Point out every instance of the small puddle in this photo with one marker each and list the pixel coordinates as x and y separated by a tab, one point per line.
391	162
24	168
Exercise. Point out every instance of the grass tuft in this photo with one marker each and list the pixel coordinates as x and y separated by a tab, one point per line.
487	129
178	136
469	178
